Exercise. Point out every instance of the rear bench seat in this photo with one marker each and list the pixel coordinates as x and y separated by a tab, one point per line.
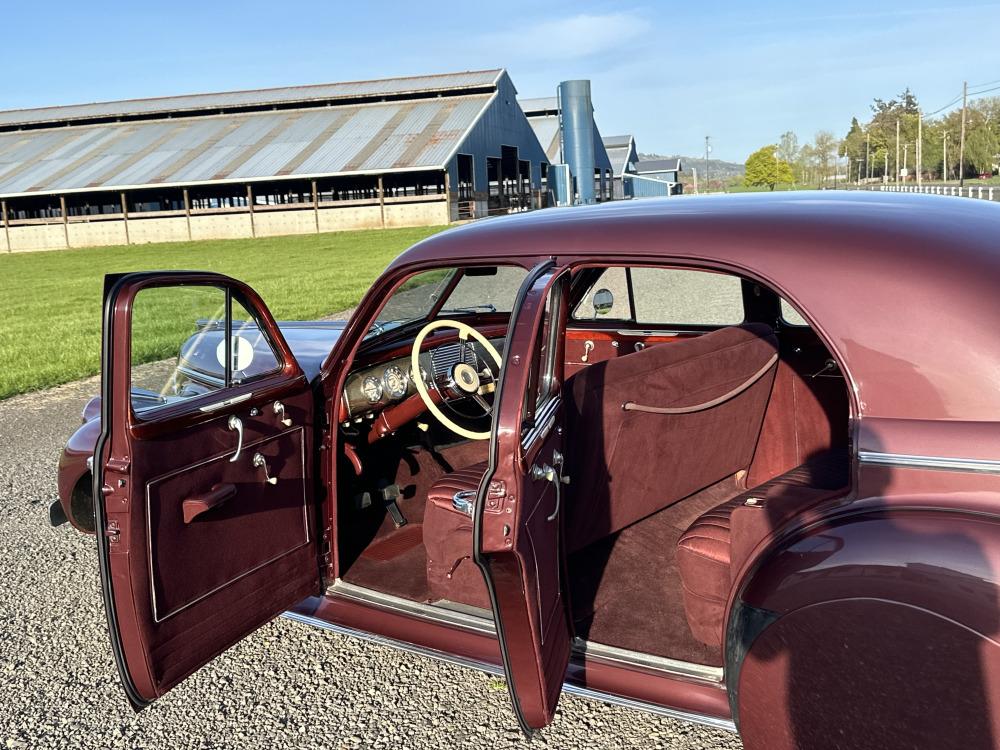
648	429
713	548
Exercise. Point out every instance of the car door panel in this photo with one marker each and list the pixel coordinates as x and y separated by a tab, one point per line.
181	587
518	526
587	346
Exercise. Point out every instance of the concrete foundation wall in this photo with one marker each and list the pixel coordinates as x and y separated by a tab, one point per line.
96	233
397	213
221	227
349	217
416	214
274	223
144	231
37	237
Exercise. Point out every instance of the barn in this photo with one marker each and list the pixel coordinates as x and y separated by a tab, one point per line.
396	152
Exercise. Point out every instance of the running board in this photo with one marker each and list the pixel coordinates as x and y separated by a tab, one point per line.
495	670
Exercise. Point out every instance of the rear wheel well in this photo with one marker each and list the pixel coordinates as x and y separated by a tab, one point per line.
81	503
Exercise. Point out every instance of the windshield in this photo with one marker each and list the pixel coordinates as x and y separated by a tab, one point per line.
480	289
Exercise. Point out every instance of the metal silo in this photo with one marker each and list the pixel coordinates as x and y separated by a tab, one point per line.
577	113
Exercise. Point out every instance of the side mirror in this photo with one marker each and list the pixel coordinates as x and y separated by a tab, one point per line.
604	300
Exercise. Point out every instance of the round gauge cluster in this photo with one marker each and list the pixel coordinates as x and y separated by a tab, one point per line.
372	388
396	381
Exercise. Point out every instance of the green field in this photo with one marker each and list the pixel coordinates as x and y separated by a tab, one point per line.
51	301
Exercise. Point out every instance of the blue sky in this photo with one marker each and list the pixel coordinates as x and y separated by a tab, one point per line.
668	72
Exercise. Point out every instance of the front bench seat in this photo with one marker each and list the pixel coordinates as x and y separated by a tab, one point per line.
451	573
715	546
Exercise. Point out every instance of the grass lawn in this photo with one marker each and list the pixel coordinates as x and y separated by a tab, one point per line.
51	301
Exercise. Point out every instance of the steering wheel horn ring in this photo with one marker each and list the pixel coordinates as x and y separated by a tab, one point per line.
464	376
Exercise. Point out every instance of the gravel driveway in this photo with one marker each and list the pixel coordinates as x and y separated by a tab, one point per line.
288	685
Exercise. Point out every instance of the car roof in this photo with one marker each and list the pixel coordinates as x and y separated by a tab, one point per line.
903	288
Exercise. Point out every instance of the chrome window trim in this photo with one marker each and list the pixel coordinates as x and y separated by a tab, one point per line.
496	670
544	422
936	463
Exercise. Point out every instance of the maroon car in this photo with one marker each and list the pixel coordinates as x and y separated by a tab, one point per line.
732	459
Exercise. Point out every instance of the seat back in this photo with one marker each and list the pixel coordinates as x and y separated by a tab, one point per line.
650	428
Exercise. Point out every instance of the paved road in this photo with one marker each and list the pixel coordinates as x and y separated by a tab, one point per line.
288	685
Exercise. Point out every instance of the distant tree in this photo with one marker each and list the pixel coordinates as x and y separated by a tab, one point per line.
826	147
788	147
765	169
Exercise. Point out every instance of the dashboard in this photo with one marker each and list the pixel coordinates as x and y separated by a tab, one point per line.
371	389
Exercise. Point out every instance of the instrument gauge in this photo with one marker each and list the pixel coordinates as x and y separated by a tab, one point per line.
372	388
423	375
396	381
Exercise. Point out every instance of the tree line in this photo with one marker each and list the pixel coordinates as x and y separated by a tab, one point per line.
871	151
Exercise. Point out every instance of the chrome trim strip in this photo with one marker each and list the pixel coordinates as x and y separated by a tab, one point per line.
936	463
433	612
228	402
625	657
497	671
544	422
658	332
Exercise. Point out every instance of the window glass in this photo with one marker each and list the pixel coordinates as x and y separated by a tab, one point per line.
479	290
791	316
543	376
179	345
664	296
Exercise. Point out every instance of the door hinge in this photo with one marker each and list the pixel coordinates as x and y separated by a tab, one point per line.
117	465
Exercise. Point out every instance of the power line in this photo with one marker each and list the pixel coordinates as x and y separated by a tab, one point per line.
988	83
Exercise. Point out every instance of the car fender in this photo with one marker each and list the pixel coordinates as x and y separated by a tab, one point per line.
876	627
75	491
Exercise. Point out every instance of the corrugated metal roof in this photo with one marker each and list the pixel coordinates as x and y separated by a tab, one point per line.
546	129
619	147
379	137
652	166
254	98
539	104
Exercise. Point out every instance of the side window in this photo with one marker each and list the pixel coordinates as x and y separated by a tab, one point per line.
790	316
664	297
179	350
543	376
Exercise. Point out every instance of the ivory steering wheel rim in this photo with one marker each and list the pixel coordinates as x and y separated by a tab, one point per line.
464	332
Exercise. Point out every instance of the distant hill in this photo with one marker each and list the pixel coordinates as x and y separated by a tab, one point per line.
719	171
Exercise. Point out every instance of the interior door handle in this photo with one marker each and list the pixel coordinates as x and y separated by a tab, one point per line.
235	423
195	506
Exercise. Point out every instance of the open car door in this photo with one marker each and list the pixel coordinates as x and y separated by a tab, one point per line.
203	479
518	537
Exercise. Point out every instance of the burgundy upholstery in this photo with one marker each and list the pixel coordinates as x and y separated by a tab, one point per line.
627	465
451	573
713	548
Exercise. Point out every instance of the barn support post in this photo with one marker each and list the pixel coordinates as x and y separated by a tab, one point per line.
447	196
187	212
65	218
6	223
253	229
315	206
121	197
381	200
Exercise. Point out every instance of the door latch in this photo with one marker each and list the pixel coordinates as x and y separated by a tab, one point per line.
551	474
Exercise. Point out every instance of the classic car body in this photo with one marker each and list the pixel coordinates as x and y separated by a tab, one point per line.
780	517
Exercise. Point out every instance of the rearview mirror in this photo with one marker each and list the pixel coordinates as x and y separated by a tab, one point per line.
604	300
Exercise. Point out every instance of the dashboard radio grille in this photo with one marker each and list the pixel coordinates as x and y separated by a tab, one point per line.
445	357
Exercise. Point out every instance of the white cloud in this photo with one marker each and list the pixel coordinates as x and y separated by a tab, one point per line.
573	38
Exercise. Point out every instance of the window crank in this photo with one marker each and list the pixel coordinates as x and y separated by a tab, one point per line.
235	423
588	347
279	409
260	462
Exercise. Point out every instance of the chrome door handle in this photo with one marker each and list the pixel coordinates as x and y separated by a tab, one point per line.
588	347
235	423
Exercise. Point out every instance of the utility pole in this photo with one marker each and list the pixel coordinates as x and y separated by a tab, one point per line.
944	147
896	176
885	177
961	143
868	149
708	148
906	148
920	144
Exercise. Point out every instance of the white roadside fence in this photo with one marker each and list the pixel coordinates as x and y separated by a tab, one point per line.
985	193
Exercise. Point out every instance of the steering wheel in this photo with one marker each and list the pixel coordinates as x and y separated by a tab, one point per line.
465	380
